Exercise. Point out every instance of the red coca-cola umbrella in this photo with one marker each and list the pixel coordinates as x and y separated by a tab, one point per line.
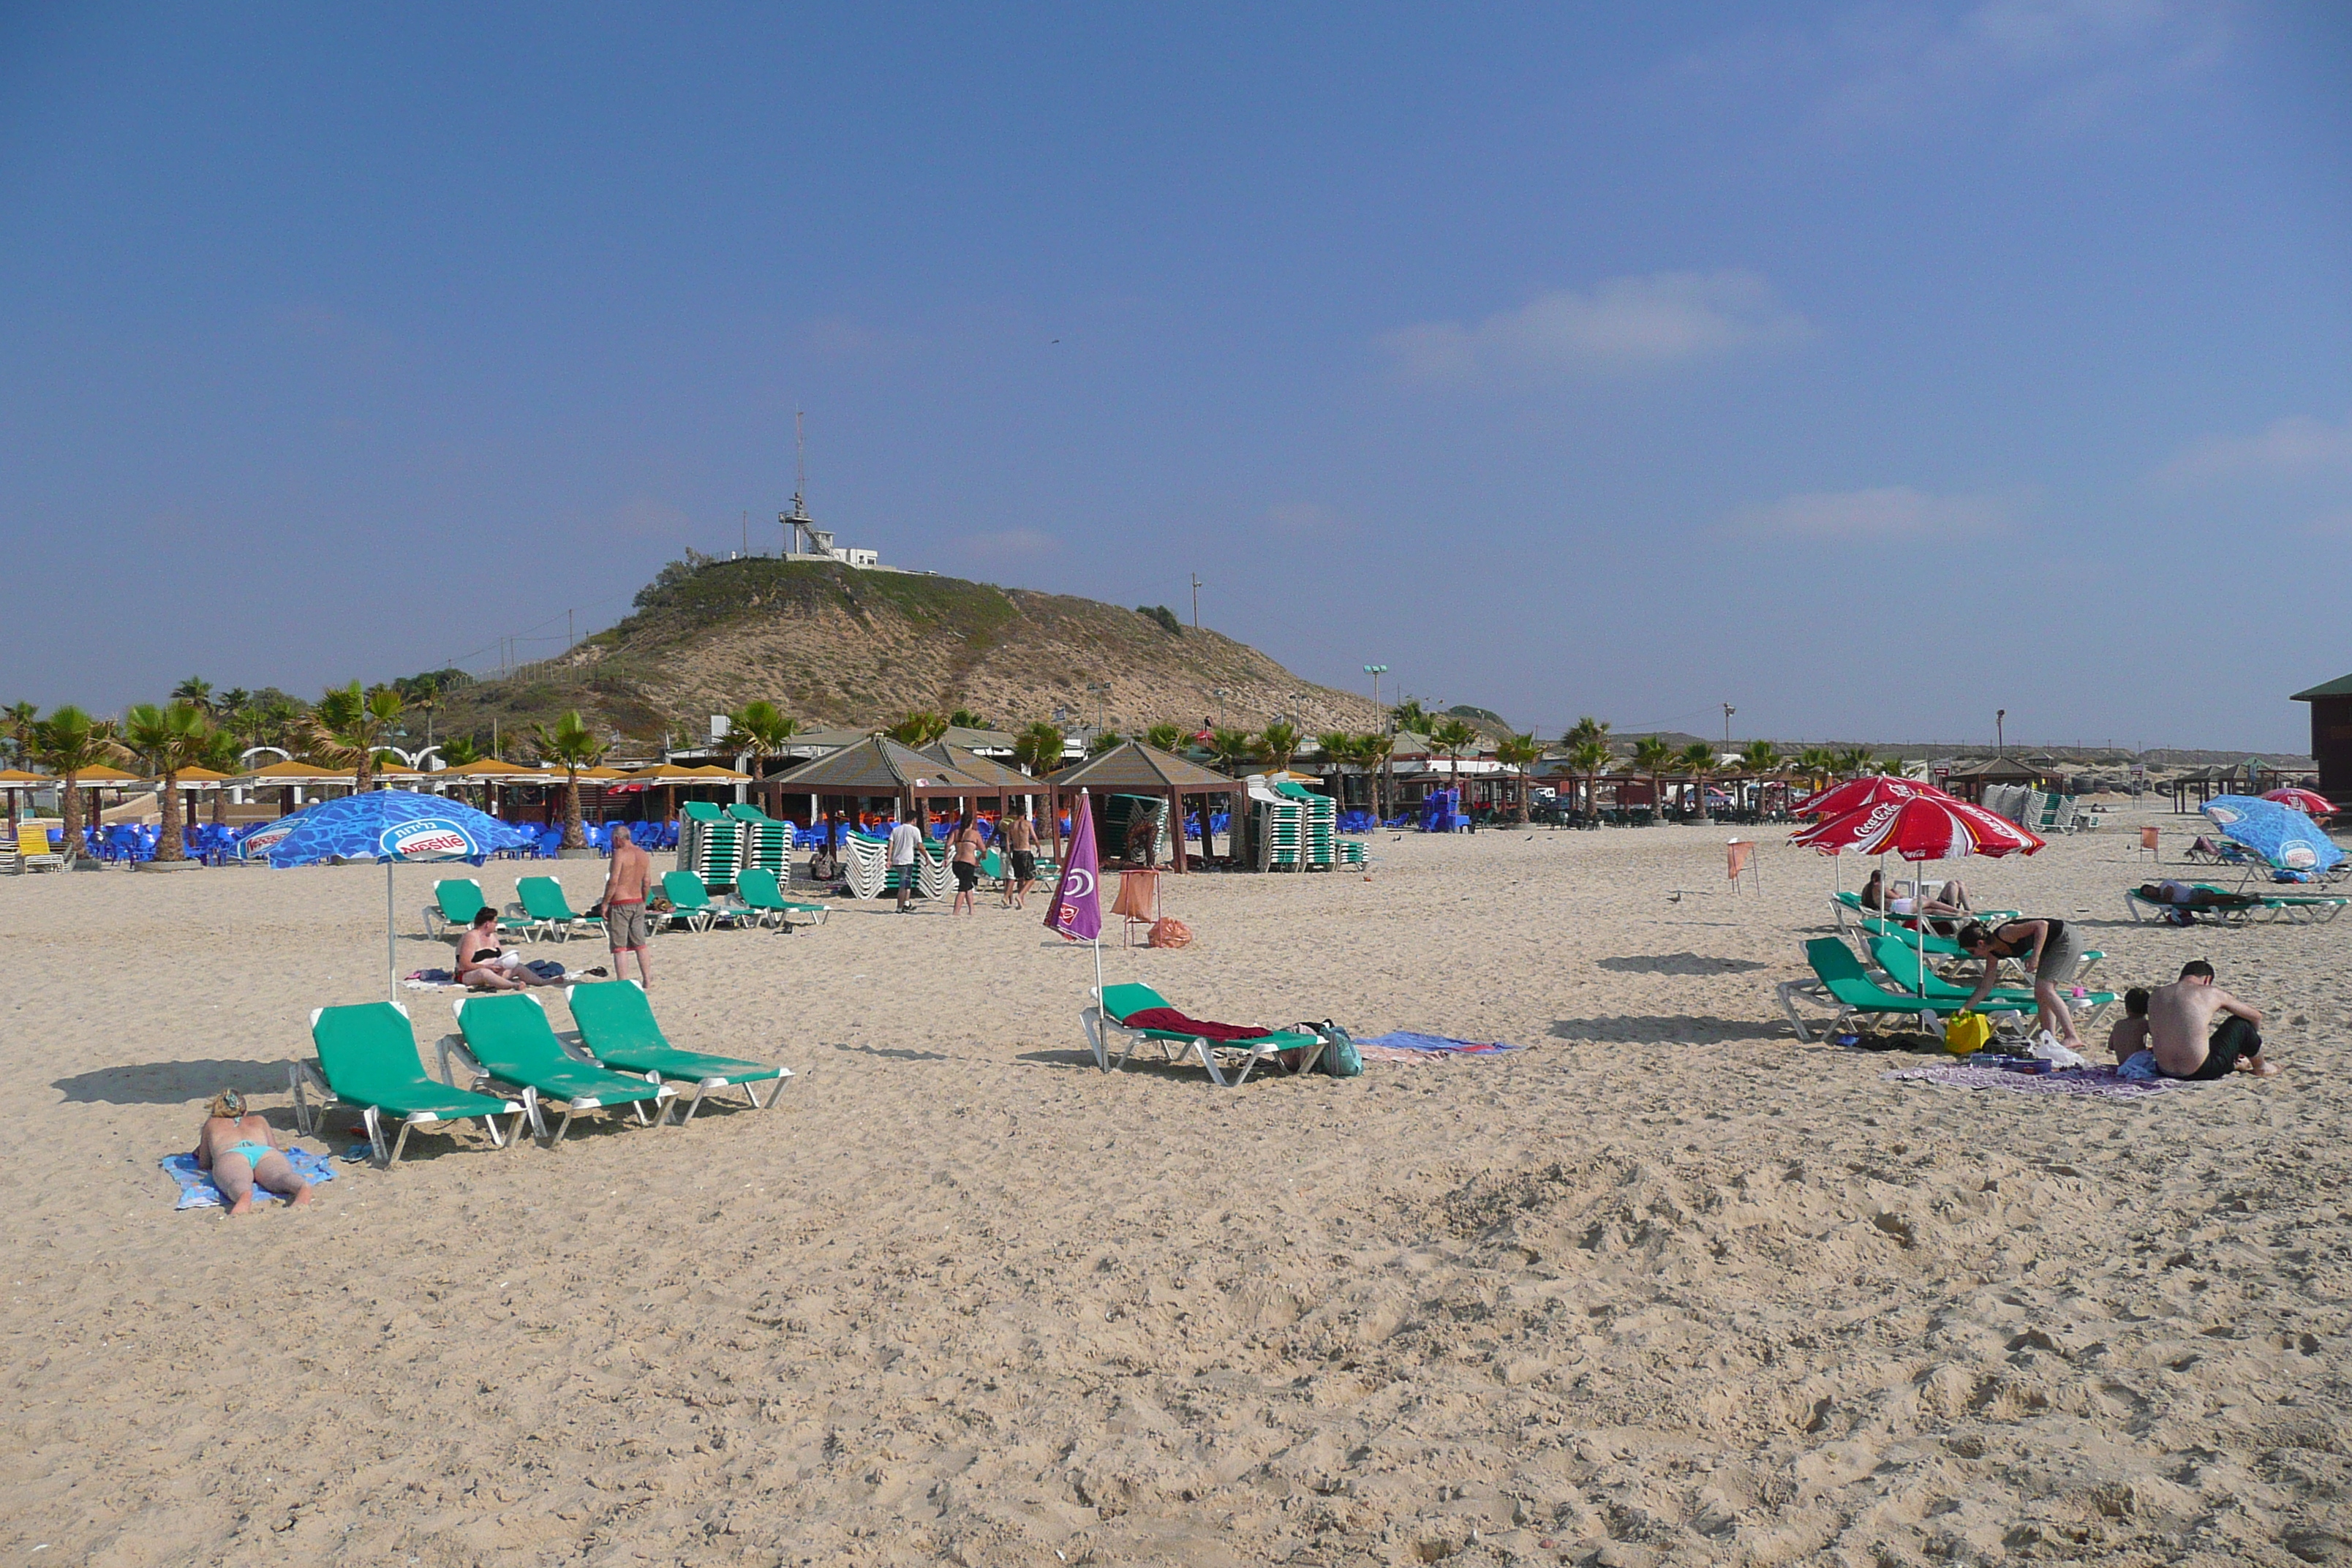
1855	794
2306	801
1919	827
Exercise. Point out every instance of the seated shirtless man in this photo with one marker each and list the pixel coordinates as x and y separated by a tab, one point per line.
482	966
2180	1014
235	1146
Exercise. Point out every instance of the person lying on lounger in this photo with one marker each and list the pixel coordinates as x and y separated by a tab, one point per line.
2180	1014
1951	899
235	1145
482	966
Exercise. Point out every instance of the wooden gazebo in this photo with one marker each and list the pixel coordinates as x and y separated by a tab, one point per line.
879	766
1133	768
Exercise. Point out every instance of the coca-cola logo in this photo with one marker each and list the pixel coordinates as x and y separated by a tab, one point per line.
426	840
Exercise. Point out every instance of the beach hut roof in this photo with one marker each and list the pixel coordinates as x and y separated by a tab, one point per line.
296	773
975	740
668	772
717	774
876	765
981	767
99	774
2340	686
493	768
1132	766
19	776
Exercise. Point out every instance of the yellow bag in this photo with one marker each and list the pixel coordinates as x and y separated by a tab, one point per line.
1966	1033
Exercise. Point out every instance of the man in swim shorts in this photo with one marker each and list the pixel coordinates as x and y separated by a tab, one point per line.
2179	1016
624	906
235	1145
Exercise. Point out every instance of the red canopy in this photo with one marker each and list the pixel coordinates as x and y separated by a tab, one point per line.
1855	794
1919	827
2302	800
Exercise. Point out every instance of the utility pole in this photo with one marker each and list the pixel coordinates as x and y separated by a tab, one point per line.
1196	601
567	630
747	533
1728	711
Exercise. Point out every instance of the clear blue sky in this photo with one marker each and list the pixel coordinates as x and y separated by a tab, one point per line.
1868	366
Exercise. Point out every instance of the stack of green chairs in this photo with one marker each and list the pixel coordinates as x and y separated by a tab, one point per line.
1319	827
1281	834
767	843
1351	852
709	844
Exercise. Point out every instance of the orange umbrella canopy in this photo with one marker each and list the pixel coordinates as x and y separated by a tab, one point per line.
102	774
717	774
493	768
668	772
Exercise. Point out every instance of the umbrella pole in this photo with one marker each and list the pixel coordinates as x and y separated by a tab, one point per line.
391	962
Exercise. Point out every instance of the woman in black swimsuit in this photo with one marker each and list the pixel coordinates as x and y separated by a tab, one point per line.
2049	950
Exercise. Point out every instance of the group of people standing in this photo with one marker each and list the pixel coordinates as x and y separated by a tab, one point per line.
1017	839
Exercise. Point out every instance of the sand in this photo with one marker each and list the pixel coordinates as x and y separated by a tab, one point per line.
1666	1286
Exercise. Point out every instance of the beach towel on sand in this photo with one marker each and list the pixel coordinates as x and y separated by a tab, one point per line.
2097	1083
197	1192
1404	1045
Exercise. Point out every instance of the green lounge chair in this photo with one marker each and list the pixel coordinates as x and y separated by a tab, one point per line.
691	905
506	1039
367	1057
458	899
1840	979
1900	963
543	900
2229	909
1119	1003
764	897
616	1024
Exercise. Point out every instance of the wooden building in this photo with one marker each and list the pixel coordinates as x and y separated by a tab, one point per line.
2331	736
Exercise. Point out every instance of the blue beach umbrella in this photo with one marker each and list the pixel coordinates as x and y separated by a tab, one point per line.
2285	837
383	826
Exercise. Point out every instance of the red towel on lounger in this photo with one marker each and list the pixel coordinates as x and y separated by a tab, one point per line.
1172	1021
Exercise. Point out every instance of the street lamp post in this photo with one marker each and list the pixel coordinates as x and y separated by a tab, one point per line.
1728	711
1101	691
2000	717
1376	671
1220	695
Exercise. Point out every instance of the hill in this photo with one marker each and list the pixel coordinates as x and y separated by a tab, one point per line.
833	646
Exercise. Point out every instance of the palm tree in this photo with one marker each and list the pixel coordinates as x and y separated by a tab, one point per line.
764	728
1164	737
1589	759
1760	757
1039	748
1410	715
221	756
20	718
349	727
1370	752
1521	752
1280	742
1585	729
198	693
570	745
1232	749
1453	737
70	742
1102	740
168	739
1817	763
1654	757
965	719
425	695
1854	762
920	728
459	751
1697	759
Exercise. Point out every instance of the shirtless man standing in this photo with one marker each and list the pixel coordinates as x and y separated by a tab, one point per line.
2180	1014
624	906
235	1146
1020	841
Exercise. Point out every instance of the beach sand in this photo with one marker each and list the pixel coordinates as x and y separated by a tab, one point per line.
1666	1287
